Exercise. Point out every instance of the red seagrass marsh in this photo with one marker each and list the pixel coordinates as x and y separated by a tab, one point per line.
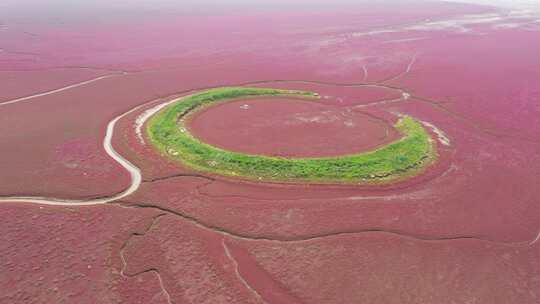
289	128
139	142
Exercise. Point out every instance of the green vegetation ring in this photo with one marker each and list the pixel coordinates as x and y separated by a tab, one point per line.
405	157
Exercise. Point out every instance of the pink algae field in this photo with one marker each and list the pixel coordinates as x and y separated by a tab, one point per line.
466	230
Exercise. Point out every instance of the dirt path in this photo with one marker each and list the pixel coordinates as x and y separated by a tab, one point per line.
134	172
72	86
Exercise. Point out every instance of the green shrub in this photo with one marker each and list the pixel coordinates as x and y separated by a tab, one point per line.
403	157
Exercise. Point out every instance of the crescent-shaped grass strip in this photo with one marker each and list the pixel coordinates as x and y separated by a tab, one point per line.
405	157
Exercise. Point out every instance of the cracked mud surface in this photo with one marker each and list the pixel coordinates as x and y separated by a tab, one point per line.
465	231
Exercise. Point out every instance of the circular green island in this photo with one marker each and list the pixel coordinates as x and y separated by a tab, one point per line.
167	130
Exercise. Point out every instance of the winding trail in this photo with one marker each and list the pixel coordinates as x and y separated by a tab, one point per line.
135	174
72	86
